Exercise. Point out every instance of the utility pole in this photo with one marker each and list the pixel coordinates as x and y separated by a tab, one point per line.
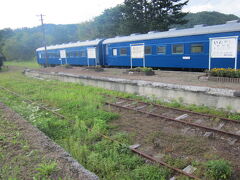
44	38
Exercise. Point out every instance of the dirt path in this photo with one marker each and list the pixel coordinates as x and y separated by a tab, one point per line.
26	149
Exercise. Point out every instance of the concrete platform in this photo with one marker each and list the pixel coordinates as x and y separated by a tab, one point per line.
163	76
227	99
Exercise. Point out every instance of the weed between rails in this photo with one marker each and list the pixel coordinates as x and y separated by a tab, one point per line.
84	107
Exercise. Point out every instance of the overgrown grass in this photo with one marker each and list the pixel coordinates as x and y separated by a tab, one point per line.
178	103
27	64
84	108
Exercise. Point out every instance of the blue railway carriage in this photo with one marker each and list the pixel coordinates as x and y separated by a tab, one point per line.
78	53
183	48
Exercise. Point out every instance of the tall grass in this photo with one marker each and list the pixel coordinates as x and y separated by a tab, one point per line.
27	64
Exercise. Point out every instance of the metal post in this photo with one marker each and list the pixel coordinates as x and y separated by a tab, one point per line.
95	50
209	54
131	56
44	38
144	65
235	66
131	62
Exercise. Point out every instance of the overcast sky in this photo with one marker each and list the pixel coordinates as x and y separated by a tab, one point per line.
23	13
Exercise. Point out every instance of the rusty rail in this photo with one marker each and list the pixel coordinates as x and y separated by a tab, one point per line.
181	110
179	121
163	163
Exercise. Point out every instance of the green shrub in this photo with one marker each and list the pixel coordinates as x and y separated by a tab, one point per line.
141	69
218	169
221	72
67	66
46	169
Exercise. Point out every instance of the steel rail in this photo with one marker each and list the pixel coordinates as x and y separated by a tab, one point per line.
28	100
163	163
142	154
179	121
181	110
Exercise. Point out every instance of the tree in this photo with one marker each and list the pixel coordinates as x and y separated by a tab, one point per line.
108	24
206	17
4	34
21	46
150	15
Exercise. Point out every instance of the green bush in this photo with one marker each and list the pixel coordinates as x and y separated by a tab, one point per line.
141	69
221	72
46	169
67	66
218	169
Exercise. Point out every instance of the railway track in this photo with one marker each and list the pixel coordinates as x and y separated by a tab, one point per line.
210	125
132	148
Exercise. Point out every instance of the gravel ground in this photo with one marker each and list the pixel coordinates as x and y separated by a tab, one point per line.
173	77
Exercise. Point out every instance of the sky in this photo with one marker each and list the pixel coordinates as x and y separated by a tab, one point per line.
23	13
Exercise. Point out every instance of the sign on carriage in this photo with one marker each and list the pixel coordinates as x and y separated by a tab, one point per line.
225	47
63	54
137	51
91	53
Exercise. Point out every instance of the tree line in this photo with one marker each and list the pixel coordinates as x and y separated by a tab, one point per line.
133	16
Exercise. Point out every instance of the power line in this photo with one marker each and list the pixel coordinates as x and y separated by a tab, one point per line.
44	38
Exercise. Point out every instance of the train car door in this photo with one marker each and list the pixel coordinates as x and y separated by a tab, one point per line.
63	57
91	56
137	55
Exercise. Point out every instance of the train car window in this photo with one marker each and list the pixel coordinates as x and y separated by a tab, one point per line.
196	48
68	54
161	49
82	53
177	49
43	55
77	54
51	55
57	55
148	50
73	54
123	51
114	52
106	49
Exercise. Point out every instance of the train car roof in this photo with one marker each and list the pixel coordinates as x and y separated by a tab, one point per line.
230	26
72	44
